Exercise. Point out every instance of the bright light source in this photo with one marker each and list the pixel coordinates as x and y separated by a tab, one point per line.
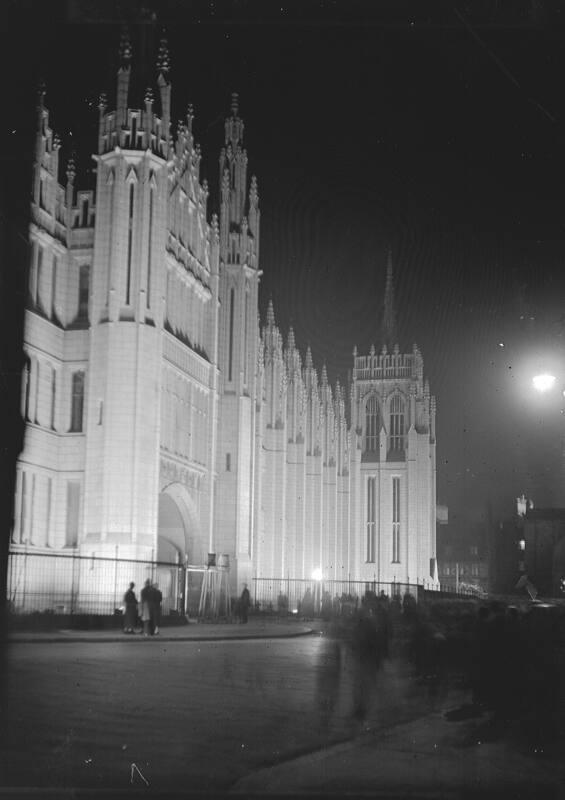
317	574
543	383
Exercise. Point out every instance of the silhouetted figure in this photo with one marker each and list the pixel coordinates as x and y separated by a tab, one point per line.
282	604
307	606
130	602
243	604
155	609
147	607
409	607
366	661
328	675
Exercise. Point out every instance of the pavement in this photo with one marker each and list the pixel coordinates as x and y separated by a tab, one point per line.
441	751
192	632
427	757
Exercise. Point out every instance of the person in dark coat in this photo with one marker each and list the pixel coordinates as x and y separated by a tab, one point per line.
130	602
157	598
244	603
147	607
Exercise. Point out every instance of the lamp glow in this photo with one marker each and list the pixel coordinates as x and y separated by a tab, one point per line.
317	574
543	383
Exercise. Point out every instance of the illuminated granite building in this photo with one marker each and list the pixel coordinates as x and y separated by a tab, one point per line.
162	423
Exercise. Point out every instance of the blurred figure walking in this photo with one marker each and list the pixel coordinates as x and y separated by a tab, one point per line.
130	603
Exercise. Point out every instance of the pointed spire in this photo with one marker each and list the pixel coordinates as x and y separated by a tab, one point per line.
71	169
270	314
234	125
389	335
163	57
308	362
290	342
324	376
125	48
189	117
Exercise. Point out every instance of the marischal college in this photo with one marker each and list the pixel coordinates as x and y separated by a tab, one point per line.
163	421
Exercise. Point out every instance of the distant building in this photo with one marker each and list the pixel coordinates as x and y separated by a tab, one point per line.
544	549
161	423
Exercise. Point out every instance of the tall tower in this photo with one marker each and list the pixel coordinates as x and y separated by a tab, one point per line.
238	351
126	314
393	464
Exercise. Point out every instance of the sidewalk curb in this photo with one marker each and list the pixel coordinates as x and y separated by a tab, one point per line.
87	638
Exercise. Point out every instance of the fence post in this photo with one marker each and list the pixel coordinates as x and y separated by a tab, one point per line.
115	576
25	581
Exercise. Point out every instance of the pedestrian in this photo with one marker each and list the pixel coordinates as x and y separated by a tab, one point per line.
147	607
130	602
328	674
244	603
366	661
157	598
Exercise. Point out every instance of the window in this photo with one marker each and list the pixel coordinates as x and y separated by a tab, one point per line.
54	286
48	512
26	387
232	312
73	504
23	506
130	243
53	396
77	402
372	424
228	462
371	523
397	423
396	520
83	291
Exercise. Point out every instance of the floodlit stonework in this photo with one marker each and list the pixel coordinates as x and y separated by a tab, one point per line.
162	421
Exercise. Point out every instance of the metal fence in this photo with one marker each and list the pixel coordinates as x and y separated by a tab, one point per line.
303	596
76	584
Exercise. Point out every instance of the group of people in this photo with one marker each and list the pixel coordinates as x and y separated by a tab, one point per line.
150	617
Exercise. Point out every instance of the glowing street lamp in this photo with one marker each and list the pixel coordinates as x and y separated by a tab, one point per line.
544	382
317	576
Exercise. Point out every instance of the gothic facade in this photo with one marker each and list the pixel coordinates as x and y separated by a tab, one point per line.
162	422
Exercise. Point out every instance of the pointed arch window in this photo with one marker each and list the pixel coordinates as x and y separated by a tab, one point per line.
372	417
397	424
77	402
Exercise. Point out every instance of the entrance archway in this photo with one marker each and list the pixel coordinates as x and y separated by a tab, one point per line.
178	541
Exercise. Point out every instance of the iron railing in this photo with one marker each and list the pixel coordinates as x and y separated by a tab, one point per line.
69	583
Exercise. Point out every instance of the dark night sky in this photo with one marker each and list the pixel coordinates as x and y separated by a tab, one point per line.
439	132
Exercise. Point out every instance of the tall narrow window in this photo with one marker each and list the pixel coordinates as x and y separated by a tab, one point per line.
54	271
23	507
371	523
397	423
245	334
232	312
396	520
48	512
77	402
372	425
26	387
73	505
83	291
32	509
148	289
53	396
36	276
130	244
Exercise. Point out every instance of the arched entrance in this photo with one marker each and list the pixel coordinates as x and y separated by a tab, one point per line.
178	542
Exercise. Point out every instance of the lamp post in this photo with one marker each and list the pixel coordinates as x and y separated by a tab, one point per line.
318	577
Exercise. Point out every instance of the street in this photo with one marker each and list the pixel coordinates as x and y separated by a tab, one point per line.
189	715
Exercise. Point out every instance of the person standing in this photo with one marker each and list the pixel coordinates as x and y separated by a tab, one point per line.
146	607
244	603
130	602
157	597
